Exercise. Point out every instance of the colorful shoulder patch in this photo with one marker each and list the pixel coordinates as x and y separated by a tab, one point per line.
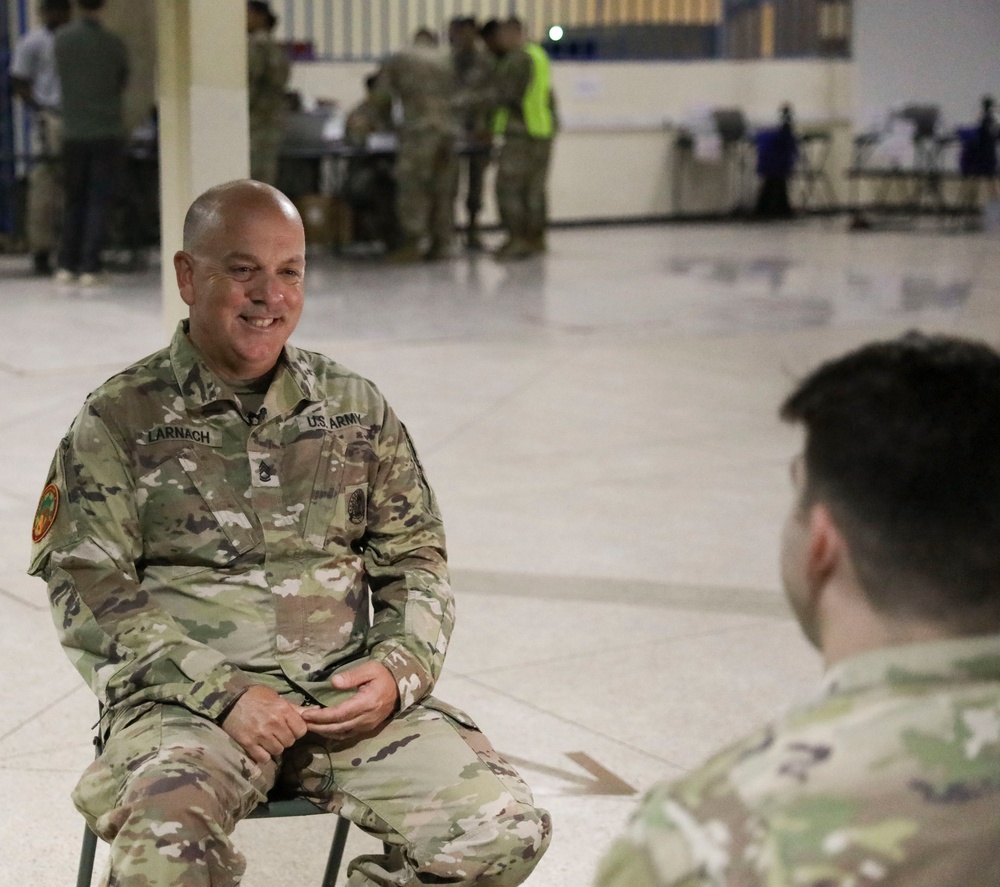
45	515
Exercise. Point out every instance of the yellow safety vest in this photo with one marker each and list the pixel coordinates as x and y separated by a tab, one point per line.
536	105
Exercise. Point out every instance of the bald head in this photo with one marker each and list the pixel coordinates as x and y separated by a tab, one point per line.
220	205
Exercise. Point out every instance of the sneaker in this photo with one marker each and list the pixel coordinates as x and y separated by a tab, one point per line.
64	276
91	279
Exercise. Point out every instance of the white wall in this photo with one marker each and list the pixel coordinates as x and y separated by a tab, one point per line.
643	92
925	51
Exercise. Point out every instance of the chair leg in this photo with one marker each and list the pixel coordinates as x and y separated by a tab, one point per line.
336	852
88	849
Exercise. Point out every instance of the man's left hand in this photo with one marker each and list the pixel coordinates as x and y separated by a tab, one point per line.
365	711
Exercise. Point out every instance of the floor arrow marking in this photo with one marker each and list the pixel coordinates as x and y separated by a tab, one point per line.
599	781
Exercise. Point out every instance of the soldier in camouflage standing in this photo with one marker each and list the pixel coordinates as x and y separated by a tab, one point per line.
267	72
474	81
217	526
526	121
890	775
421	78
370	181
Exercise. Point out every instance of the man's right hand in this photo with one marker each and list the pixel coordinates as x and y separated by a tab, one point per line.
263	723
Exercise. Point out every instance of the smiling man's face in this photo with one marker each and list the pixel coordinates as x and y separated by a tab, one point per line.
243	281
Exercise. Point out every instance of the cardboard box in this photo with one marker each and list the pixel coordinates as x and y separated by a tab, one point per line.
326	219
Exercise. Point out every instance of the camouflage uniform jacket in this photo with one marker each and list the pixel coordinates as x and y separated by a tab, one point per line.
423	81
268	70
190	554
474	71
365	118
890	779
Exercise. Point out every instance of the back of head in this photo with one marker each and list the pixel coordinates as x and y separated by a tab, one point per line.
513	33
462	32
426	38
55	6
262	9
490	32
903	447
91	5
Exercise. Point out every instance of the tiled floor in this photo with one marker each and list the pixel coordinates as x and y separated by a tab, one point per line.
600	428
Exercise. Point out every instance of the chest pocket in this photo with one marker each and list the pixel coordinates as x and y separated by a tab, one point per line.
189	513
338	509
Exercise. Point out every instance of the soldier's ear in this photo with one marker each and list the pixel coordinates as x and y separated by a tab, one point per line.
184	269
826	546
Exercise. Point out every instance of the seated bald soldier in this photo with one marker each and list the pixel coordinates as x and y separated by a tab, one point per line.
214	527
890	775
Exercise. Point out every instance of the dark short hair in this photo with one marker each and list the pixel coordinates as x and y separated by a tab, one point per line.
56	6
903	447
90	5
489	28
263	8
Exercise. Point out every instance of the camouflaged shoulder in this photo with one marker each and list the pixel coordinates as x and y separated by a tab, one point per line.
53	526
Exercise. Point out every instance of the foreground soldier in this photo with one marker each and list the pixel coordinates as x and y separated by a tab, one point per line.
891	561
214	526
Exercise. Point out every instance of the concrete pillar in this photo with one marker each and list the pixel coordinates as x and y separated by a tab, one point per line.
204	124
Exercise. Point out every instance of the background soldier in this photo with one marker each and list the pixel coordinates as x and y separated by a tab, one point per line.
217	526
474	81
370	183
421	79
268	70
526	120
891	562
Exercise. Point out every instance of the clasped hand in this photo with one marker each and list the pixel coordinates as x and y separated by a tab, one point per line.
265	725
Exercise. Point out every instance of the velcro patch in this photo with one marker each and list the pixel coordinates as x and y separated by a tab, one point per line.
45	514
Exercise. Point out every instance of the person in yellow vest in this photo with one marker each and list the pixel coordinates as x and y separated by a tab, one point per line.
526	121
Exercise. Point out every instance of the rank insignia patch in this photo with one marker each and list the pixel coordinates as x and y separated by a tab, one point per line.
356	507
45	515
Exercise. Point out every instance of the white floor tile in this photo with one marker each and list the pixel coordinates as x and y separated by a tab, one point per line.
600	426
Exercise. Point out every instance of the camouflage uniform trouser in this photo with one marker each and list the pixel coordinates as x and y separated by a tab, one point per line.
427	178
265	148
520	185
475	163
170	787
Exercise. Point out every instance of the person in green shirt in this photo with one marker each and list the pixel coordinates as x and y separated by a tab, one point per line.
93	72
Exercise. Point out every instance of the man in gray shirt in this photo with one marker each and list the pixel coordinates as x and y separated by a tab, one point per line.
35	81
93	69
